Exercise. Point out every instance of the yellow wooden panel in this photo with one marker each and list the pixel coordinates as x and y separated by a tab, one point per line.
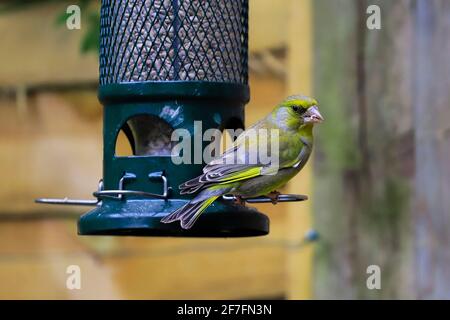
299	215
35	50
52	150
268	23
34	256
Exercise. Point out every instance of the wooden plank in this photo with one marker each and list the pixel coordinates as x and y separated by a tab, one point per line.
36	50
52	149
365	149
135	268
267	20
299	264
432	134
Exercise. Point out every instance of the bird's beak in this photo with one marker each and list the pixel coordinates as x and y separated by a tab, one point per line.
313	115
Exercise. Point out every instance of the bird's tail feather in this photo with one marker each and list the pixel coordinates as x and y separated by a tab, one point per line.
189	213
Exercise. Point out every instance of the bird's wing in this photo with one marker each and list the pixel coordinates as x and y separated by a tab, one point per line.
239	151
226	174
233	165
240	163
220	174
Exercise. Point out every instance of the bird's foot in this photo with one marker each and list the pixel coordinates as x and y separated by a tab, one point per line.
240	201
273	196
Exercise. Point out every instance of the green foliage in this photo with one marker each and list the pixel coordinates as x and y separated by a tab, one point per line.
90	18
91	39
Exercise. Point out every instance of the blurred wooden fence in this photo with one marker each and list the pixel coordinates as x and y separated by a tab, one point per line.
382	165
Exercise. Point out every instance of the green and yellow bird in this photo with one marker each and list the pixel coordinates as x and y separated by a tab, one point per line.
293	119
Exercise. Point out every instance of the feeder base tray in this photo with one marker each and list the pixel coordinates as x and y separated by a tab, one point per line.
142	218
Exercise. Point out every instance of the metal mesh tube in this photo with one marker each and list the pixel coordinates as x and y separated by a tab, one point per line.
165	40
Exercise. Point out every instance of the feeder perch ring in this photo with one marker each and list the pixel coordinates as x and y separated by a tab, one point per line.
263	199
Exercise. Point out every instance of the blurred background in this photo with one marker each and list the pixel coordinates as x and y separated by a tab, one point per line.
379	181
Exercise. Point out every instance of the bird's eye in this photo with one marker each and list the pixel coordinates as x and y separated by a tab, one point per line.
299	109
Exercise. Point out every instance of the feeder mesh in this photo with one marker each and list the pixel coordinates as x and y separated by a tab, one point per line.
164	40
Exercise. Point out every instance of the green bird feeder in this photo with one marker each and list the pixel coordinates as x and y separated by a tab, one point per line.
165	64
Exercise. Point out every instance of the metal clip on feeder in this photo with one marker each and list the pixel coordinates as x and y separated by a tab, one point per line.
164	65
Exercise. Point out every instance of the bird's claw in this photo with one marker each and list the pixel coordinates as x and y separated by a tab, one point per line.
273	197
240	201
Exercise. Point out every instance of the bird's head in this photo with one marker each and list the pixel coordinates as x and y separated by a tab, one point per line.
297	111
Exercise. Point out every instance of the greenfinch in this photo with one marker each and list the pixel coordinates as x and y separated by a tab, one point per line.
293	120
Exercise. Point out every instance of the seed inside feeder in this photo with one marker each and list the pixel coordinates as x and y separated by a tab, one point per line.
151	135
163	40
